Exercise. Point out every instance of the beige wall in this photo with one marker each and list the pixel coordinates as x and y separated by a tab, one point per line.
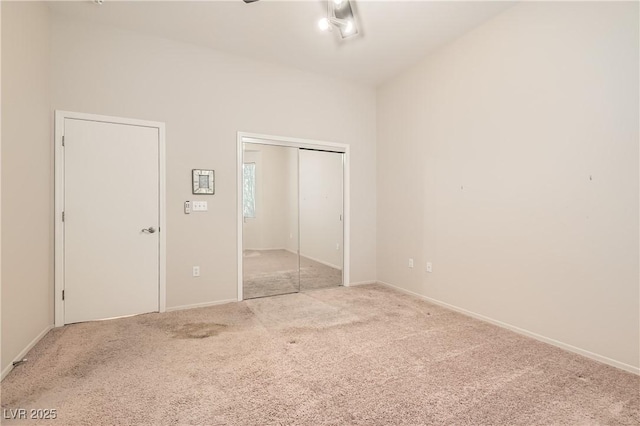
27	186
509	159
205	97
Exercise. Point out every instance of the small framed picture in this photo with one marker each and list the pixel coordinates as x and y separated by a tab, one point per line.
203	181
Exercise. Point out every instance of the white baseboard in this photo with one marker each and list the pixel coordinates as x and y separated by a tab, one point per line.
200	305
361	283
565	346
322	262
22	353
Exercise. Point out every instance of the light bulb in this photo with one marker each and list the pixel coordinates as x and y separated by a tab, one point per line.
349	28
323	24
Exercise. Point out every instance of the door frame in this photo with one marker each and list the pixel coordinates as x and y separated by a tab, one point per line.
243	137
60	117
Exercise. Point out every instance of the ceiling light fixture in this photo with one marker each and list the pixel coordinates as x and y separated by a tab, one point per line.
339	15
323	24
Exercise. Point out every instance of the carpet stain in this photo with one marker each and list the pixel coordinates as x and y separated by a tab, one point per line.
581	377
198	330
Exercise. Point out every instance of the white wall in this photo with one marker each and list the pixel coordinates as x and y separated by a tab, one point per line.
27	184
276	191
321	206
509	159
205	97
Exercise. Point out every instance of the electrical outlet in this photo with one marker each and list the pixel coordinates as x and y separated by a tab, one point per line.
338	246
196	271
187	207
429	267
410	263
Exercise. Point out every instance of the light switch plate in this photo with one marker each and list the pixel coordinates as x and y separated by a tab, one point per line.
200	206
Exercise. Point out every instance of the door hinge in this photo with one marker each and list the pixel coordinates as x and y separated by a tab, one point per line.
62	140
62	294
63	216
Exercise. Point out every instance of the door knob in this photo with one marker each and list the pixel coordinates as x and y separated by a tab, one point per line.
149	230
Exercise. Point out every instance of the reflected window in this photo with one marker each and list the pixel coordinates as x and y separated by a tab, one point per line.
249	190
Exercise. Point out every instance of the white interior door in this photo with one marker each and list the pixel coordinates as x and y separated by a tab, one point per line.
111	224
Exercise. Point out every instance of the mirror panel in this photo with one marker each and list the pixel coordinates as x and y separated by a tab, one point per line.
321	219
270	230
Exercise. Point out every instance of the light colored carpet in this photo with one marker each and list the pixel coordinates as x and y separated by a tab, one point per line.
364	355
273	272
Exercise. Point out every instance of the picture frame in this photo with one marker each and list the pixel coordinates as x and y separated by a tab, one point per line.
203	181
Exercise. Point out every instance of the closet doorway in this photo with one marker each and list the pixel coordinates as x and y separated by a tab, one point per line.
292	215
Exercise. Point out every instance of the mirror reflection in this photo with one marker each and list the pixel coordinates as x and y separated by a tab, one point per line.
293	220
270	229
320	219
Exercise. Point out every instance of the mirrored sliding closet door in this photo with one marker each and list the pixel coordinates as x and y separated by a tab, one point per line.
292	220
